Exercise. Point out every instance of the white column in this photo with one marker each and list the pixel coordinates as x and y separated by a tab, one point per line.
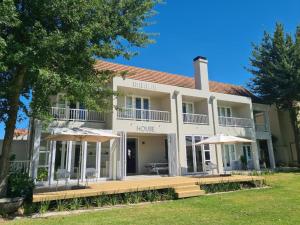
194	155
36	148
255	156
52	156
98	159
69	156
83	160
271	154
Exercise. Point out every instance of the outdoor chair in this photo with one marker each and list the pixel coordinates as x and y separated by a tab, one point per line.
210	167
90	173
62	174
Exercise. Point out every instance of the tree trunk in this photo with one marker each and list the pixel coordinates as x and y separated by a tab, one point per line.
10	124
295	125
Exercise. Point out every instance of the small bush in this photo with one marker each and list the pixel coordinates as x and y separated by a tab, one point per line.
101	200
61	205
75	203
20	185
44	207
42	174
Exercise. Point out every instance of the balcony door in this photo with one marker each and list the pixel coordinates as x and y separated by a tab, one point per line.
141	106
188	107
224	111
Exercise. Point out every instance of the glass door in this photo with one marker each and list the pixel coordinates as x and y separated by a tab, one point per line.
189	154
146	108
196	155
229	156
138	107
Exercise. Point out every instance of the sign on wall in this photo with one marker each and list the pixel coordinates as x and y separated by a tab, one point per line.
145	129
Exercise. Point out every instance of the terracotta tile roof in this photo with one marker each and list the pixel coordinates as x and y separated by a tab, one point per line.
20	132
142	74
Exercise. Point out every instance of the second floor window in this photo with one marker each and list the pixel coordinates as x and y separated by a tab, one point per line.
187	107
133	102
224	111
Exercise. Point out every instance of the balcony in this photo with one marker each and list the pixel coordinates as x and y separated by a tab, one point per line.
261	127
143	115
235	122
190	118
77	114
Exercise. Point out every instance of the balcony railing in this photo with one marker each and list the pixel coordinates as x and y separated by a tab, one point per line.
235	122
19	166
143	114
195	118
261	127
77	114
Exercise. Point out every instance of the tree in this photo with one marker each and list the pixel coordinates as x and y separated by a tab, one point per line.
276	68
48	47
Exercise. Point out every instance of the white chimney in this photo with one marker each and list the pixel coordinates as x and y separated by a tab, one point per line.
201	73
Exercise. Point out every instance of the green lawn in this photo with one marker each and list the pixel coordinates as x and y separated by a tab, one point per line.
277	205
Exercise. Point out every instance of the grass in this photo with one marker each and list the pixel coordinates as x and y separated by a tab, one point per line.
277	205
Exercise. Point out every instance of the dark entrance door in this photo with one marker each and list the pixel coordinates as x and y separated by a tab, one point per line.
264	159
131	155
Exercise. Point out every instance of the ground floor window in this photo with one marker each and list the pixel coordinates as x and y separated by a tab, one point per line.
43	164
196	155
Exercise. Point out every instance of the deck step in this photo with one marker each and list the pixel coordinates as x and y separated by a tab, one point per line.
187	194
186	191
187	188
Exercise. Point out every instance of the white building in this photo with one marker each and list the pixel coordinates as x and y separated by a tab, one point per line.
159	118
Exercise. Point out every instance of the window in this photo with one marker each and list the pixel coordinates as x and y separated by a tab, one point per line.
224	111
129	101
247	152
132	102
187	107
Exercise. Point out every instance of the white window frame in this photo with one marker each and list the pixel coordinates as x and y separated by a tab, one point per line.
203	150
191	103
248	149
133	99
225	110
230	154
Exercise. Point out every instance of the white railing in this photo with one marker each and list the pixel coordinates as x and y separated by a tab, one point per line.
143	114
76	114
21	165
261	127
235	122
195	118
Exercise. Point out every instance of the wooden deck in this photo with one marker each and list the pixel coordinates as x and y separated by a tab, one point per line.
114	187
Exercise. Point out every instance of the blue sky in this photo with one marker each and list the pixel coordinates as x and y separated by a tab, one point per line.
220	30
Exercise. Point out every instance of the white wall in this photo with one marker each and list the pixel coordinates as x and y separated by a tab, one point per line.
19	148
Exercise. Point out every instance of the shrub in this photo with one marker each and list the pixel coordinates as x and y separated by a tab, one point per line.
74	204
44	207
20	185
42	174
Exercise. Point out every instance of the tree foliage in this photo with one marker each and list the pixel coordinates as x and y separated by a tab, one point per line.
48	47
56	43
276	68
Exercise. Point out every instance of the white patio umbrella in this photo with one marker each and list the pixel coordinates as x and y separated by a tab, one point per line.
80	134
223	139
